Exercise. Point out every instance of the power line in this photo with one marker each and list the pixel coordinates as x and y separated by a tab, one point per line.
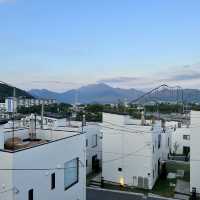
64	168
122	130
121	126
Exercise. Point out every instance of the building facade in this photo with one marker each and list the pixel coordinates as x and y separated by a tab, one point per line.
180	138
42	164
91	130
195	152
133	150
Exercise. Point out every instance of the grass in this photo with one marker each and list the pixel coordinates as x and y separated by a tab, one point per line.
163	188
173	167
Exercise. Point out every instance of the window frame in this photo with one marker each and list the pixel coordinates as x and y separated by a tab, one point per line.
77	173
96	142
186	137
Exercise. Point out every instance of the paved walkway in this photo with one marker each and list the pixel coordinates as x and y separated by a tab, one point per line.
182	187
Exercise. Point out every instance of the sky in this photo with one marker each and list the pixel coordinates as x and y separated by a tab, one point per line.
65	44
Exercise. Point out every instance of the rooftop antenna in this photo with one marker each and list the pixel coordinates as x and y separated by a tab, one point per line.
42	114
83	122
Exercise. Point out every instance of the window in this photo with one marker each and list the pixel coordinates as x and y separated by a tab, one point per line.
120	169
186	137
159	141
86	163
86	142
71	173
30	194
94	140
53	181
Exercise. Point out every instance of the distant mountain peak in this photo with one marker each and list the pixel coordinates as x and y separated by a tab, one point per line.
99	92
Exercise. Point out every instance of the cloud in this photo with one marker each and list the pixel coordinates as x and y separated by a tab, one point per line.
187	76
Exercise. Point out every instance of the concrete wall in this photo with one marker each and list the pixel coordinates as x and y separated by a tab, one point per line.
135	151
49	156
195	151
92	130
177	137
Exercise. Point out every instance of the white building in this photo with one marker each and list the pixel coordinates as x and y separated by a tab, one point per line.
195	152
133	150
2	107
180	137
11	104
42	164
92	131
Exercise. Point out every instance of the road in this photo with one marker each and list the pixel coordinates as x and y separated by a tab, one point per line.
95	194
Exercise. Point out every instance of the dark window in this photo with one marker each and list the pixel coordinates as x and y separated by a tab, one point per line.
159	141
86	163
94	140
53	181
30	194
186	137
120	169
86	142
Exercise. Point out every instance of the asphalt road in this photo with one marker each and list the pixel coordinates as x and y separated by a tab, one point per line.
93	194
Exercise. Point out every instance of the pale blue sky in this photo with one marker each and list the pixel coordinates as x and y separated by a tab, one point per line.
60	44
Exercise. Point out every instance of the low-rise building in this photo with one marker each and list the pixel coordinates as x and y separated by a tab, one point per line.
2	107
42	164
134	151
180	138
12	103
93	142
195	152
92	131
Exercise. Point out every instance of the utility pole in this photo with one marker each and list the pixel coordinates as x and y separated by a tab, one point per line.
13	116
42	115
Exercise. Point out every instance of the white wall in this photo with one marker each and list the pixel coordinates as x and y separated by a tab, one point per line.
51	155
195	151
92	130
177	137
132	150
6	177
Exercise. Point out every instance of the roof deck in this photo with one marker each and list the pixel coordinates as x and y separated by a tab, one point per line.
18	139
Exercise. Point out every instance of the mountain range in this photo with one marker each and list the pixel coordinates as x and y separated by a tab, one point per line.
94	93
97	93
102	93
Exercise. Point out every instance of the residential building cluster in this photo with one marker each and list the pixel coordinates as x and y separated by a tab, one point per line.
12	103
48	158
